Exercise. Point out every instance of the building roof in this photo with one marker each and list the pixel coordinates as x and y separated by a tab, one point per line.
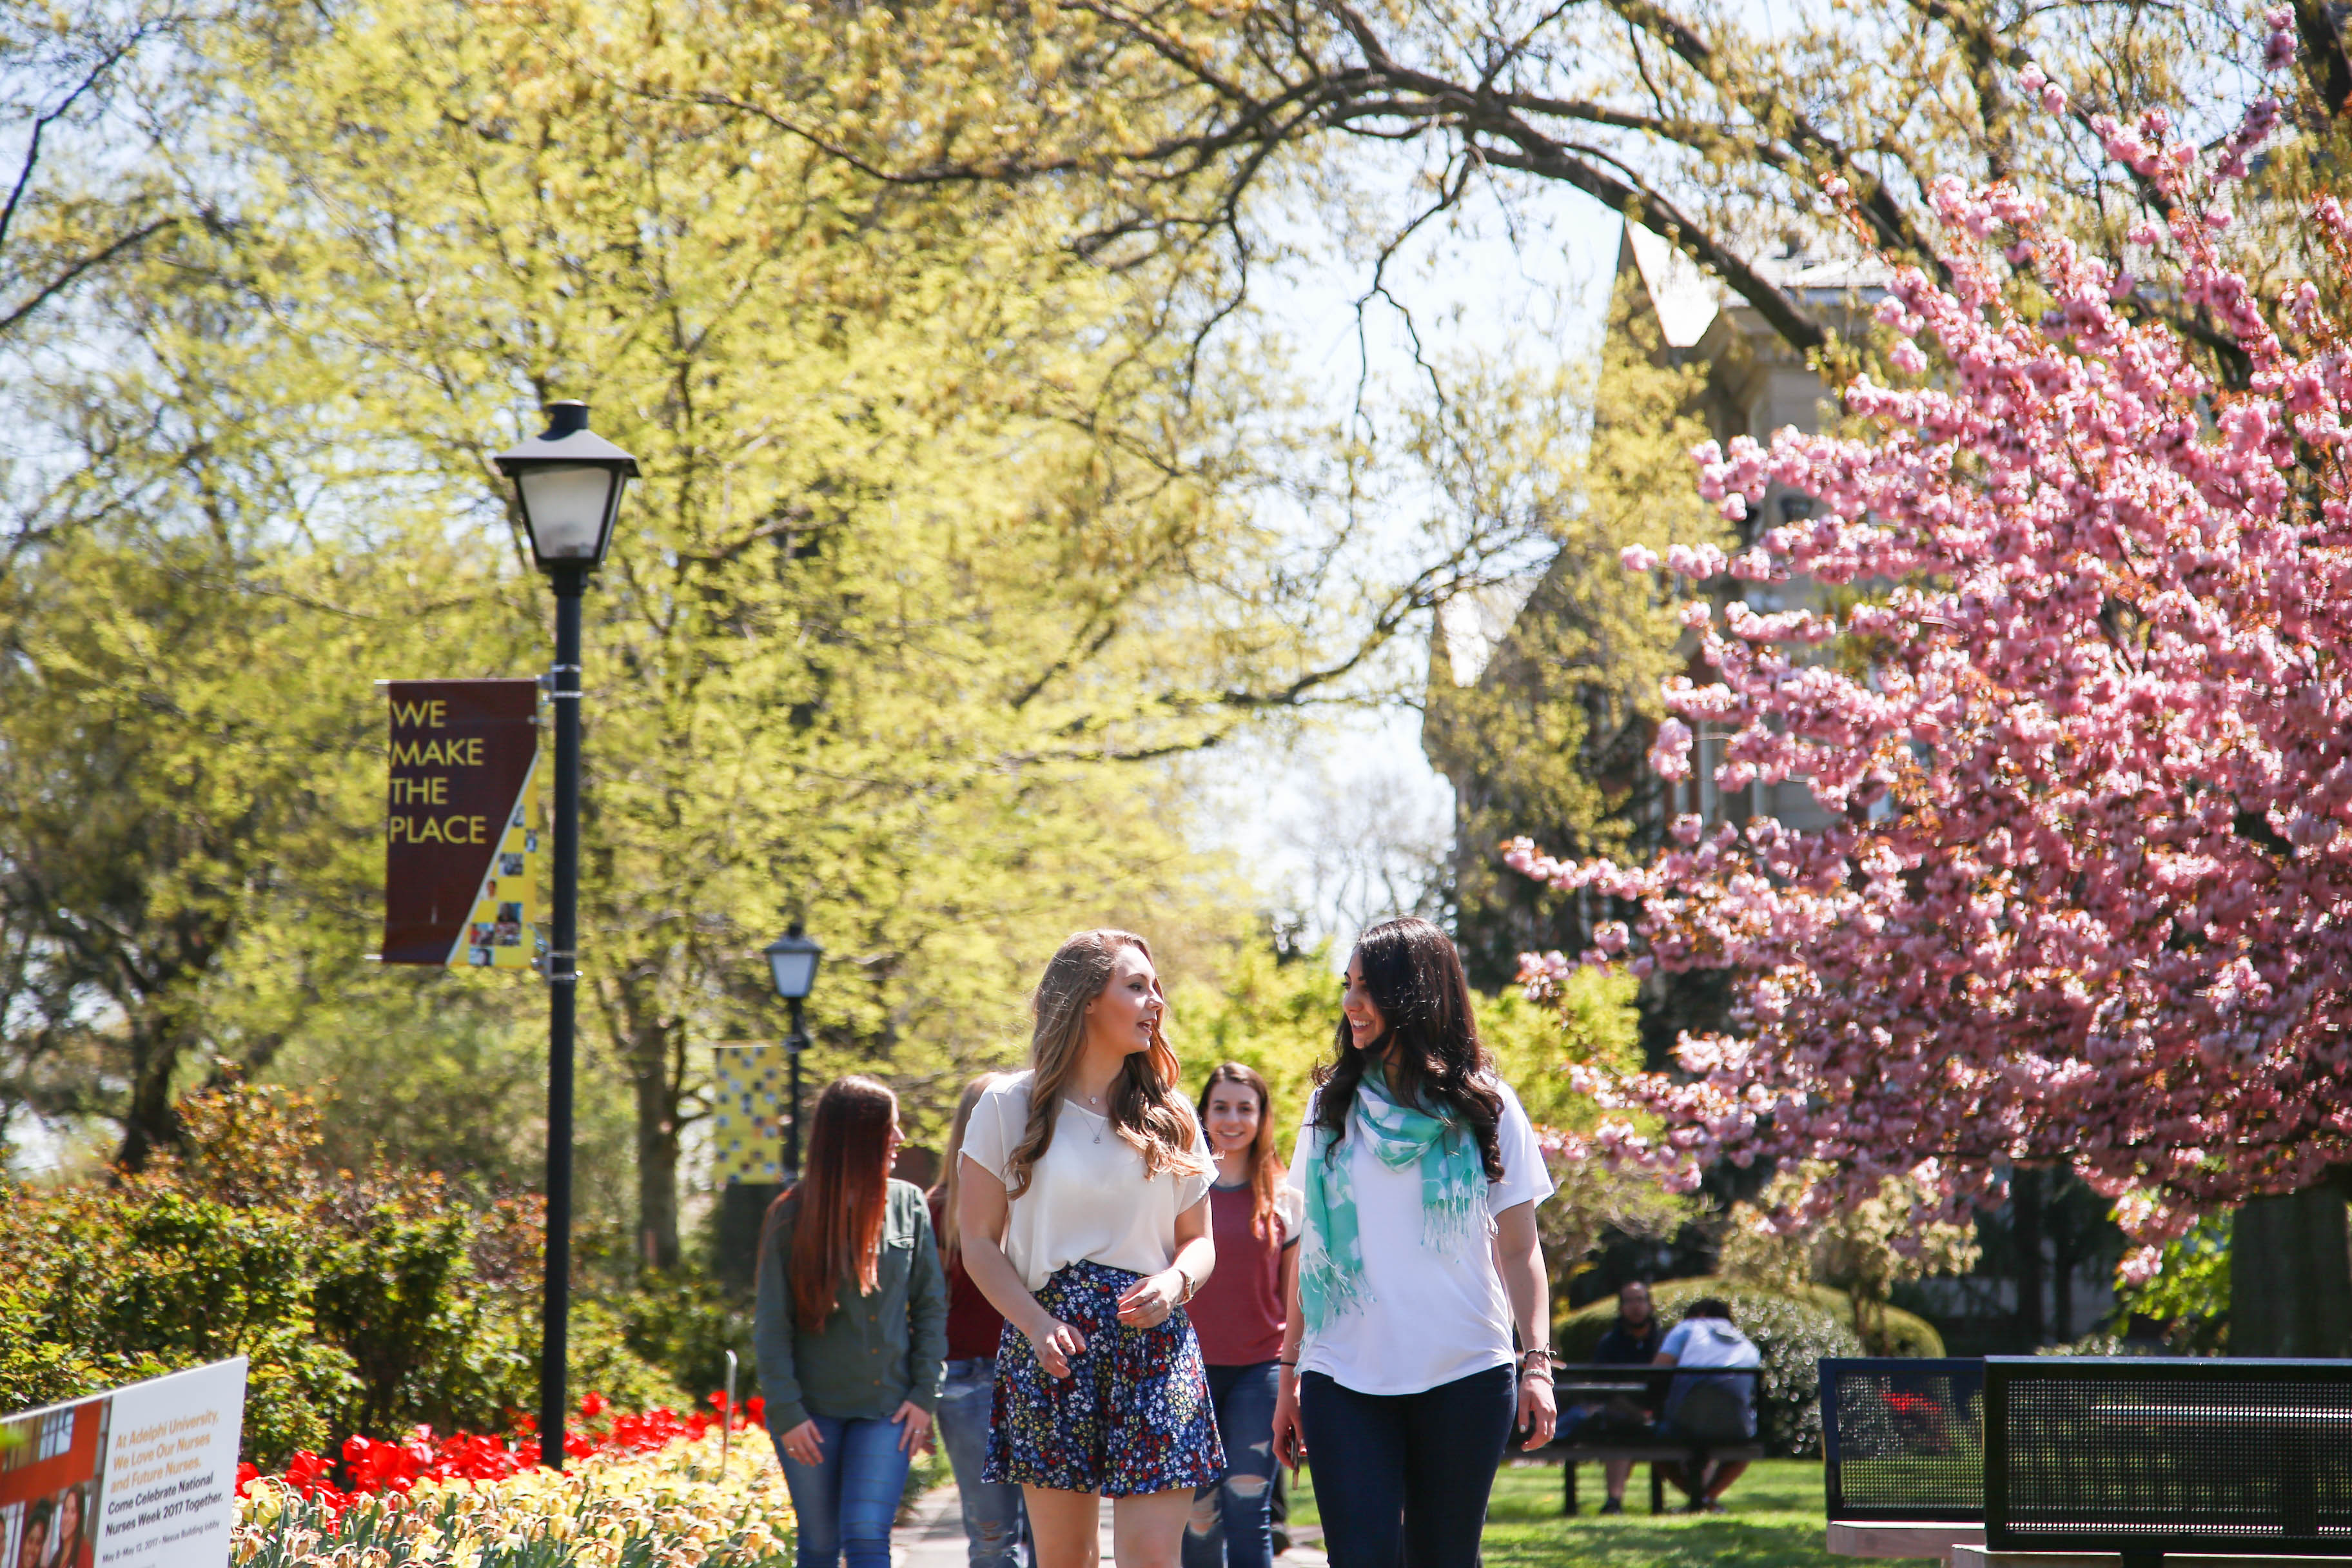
1472	623
1686	298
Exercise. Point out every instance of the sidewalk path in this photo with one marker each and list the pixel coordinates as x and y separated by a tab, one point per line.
933	1537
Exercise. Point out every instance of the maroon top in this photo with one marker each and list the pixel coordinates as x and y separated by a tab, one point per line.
1238	1314
974	1323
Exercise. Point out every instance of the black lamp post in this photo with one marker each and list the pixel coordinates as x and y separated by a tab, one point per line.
792	963
569	484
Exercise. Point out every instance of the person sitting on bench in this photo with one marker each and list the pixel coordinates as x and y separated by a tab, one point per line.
1633	1341
1708	1410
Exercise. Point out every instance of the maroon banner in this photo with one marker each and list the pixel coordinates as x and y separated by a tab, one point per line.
459	815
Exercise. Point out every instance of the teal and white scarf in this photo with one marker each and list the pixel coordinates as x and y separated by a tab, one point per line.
1453	1195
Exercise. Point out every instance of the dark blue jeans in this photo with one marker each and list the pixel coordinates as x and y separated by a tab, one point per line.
845	1503
1402	1477
1232	1525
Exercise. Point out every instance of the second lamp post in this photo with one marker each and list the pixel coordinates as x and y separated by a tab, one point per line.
568	483
792	964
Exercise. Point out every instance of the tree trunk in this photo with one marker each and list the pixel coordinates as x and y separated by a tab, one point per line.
150	1122
657	1146
2025	1240
2290	1276
2062	1273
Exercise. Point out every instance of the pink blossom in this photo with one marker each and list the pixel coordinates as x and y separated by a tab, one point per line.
2083	894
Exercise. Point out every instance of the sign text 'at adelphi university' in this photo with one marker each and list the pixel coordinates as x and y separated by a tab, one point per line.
465	831
144	1477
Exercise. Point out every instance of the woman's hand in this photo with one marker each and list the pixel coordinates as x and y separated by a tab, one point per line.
915	1423
1289	1436
1055	1344
803	1444
1152	1300
1538	1413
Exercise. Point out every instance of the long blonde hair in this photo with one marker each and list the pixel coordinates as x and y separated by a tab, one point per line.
1145	1110
951	1188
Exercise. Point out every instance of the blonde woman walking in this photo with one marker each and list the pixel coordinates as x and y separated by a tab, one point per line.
1084	1217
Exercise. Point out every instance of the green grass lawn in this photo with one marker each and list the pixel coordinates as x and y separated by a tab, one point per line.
1774	1521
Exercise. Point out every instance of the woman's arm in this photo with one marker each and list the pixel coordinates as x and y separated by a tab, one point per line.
1153	1298
926	1340
983	1208
1289	1437
1520	1255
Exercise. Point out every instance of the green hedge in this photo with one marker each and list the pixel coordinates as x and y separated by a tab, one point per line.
367	1305
1792	1333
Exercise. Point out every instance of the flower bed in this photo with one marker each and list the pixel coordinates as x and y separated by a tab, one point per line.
645	1490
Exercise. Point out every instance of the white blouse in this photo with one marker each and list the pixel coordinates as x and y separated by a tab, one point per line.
1089	1199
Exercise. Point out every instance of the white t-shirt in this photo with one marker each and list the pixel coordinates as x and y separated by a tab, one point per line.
1089	1199
1433	1316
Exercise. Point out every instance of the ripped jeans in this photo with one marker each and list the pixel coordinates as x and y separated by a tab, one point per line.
1232	1525
992	1519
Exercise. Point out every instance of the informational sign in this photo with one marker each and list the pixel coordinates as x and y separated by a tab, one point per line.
746	1125
464	852
142	1478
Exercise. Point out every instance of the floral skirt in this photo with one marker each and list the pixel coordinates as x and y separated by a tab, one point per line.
1132	1418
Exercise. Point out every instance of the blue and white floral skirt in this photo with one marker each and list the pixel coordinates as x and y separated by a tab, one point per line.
1132	1418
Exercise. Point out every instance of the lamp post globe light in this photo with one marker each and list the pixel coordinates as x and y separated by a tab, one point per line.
792	964
568	484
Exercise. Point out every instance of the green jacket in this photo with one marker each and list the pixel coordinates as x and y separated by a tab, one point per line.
876	1351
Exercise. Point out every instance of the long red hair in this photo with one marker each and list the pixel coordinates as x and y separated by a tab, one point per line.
841	1200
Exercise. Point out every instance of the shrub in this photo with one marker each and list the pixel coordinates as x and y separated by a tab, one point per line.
1793	1334
366	1305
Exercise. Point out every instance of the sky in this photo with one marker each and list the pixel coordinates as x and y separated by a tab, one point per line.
1532	282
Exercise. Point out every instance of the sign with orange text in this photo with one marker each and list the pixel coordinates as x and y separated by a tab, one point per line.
463	835
142	1478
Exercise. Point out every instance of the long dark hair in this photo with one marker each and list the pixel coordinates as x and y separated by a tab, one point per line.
1434	1059
841	1200
1265	1165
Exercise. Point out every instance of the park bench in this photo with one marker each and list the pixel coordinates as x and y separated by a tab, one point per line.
2085	1461
1643	1387
1902	1455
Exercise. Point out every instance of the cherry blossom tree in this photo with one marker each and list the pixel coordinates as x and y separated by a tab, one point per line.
2084	730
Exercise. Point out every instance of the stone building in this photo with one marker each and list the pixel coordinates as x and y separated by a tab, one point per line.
1491	651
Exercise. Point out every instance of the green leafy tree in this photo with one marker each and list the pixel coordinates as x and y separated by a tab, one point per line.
946	539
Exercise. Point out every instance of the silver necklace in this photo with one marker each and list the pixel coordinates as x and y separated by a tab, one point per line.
1095	1100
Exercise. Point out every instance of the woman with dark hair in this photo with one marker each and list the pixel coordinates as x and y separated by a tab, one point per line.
1418	1175
1254	1219
33	1546
69	1531
1083	1216
850	1329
